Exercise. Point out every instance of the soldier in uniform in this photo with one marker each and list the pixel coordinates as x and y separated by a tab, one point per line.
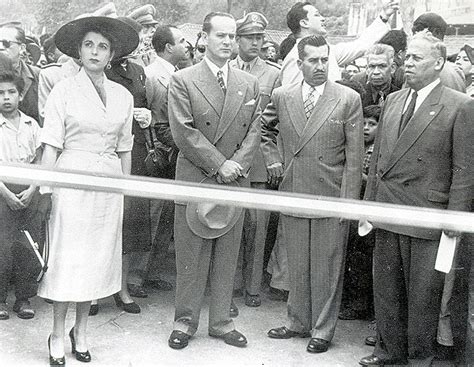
145	54
250	37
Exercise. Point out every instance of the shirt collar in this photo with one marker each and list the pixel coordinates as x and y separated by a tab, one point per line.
241	62
170	68
423	92
214	68
306	88
24	119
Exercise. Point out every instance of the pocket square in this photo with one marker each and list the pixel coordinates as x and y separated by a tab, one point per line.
250	103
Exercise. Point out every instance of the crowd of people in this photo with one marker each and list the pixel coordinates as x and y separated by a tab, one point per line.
127	95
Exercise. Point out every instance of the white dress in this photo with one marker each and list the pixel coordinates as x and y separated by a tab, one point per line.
85	260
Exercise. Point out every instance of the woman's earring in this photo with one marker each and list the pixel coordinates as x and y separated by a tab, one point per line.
80	61
108	66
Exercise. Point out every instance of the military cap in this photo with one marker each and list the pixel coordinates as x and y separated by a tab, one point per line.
469	52
144	15
252	23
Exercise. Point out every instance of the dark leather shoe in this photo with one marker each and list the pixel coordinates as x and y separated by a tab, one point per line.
94	310
252	300
372	360
23	309
159	284
233	338
233	310
80	356
317	345
127	307
137	291
178	339
371	341
276	294
55	361
285	333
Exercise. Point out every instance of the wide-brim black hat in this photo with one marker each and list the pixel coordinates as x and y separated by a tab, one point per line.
124	38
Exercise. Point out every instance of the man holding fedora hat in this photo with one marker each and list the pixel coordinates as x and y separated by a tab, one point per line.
214	118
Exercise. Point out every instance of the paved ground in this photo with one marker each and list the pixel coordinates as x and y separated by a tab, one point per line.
117	338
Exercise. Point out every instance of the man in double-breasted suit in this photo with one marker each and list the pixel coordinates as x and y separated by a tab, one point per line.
214	119
250	32
321	129
422	157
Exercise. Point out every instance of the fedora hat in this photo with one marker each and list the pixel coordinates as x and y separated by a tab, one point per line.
69	36
210	220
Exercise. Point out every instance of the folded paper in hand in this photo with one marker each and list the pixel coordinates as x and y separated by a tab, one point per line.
446	251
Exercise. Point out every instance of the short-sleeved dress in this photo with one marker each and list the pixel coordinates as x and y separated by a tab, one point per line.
85	227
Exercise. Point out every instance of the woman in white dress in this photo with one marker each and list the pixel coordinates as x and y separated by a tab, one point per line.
88	120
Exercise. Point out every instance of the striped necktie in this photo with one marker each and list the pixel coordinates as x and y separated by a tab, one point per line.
309	102
220	80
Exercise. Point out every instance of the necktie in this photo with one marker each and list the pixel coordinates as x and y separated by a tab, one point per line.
309	102
408	113
246	67
220	80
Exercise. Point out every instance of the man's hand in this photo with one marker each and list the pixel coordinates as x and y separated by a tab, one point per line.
13	202
389	7
274	173
142	116
44	207
27	195
229	171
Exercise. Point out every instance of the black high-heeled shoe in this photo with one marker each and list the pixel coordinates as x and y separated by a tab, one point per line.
53	361
127	307
80	356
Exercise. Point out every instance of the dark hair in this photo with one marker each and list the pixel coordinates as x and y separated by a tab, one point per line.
206	24
286	46
49	45
354	85
313	40
11	77
20	33
433	22
108	36
6	64
162	36
397	38
295	15
372	111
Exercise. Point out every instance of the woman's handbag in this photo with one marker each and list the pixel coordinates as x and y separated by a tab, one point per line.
159	158
39	264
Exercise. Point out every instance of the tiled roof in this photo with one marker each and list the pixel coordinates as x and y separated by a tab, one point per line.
453	43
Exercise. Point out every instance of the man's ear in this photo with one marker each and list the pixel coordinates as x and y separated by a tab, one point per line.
393	68
299	63
304	23
205	37
440	61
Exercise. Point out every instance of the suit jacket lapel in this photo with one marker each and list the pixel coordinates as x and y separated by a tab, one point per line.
89	90
295	108
209	87
259	68
425	114
233	101
323	108
396	111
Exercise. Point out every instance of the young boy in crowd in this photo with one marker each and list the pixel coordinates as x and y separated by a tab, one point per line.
19	143
357	300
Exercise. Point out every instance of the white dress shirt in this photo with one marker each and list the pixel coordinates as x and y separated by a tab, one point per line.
422	94
215	69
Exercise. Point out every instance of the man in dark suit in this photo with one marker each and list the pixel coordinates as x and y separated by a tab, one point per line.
320	126
13	44
250	32
214	119
422	157
380	66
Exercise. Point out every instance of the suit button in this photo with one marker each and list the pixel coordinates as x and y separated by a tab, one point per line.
321	179
208	123
245	125
321	158
419	159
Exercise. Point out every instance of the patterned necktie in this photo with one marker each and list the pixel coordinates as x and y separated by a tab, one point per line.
220	80
408	113
309	102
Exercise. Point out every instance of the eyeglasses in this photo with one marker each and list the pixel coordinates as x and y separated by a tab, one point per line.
201	49
8	44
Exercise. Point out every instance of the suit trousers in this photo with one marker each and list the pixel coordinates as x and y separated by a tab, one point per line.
250	265
147	265
198	259
407	296
278	263
316	267
12	266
